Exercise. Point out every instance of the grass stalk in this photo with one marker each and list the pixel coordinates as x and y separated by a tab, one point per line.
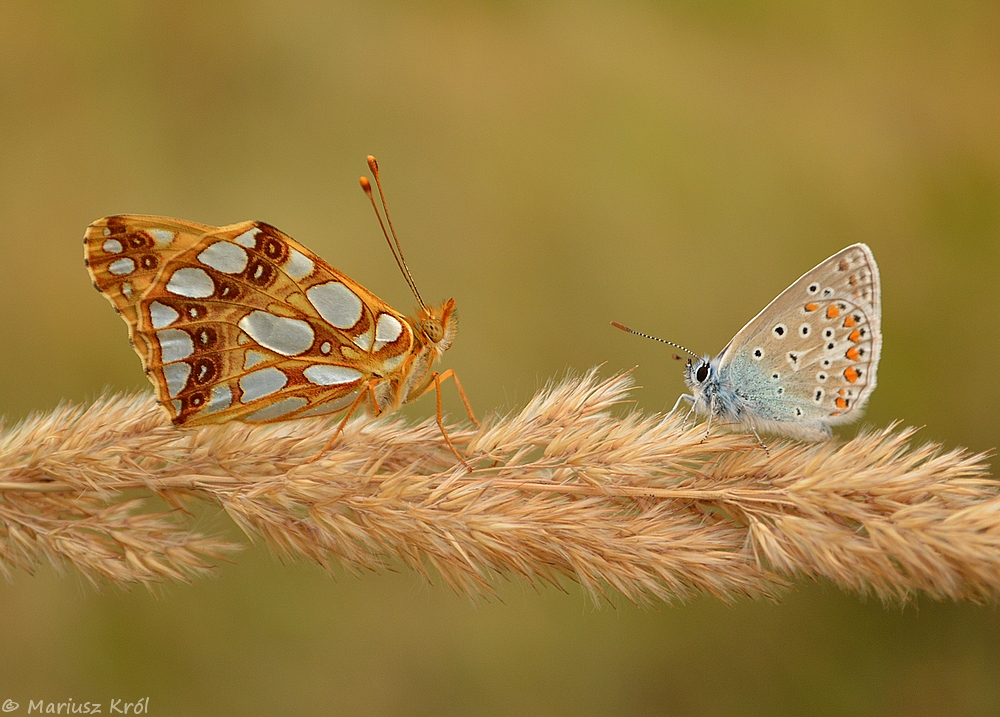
569	487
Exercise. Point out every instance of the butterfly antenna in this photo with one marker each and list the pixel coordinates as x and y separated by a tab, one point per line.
647	336
397	251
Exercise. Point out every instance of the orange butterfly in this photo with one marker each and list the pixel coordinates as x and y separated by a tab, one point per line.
243	322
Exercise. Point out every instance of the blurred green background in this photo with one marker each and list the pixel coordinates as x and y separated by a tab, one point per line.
552	166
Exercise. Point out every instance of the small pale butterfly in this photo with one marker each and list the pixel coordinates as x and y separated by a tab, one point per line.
807	362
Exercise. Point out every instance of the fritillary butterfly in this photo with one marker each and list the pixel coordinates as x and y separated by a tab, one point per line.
242	322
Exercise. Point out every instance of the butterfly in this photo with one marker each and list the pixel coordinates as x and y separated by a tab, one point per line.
807	362
244	323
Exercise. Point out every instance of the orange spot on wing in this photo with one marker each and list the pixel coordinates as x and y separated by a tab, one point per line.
832	311
855	335
841	402
853	353
849	322
812	306
843	265
851	374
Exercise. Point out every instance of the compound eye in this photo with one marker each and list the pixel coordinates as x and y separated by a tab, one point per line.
702	373
433	330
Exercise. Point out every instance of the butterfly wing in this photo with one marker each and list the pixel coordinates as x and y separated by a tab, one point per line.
124	255
809	360
246	323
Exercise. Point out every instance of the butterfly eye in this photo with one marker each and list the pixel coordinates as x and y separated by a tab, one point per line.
702	373
432	329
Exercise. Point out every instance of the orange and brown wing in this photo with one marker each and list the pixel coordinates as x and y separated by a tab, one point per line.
245	323
124	255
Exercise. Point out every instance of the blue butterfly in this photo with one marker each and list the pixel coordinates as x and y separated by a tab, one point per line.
807	362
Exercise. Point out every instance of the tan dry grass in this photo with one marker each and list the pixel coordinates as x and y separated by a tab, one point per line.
635	504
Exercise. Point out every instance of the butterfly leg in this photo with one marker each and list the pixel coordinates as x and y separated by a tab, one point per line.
461	393
711	414
760	442
440	416
677	403
683	397
435	381
367	392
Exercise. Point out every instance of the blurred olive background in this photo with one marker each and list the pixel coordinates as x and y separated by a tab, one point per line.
552	166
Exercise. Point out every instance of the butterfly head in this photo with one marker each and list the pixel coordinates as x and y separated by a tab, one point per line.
436	326
701	375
